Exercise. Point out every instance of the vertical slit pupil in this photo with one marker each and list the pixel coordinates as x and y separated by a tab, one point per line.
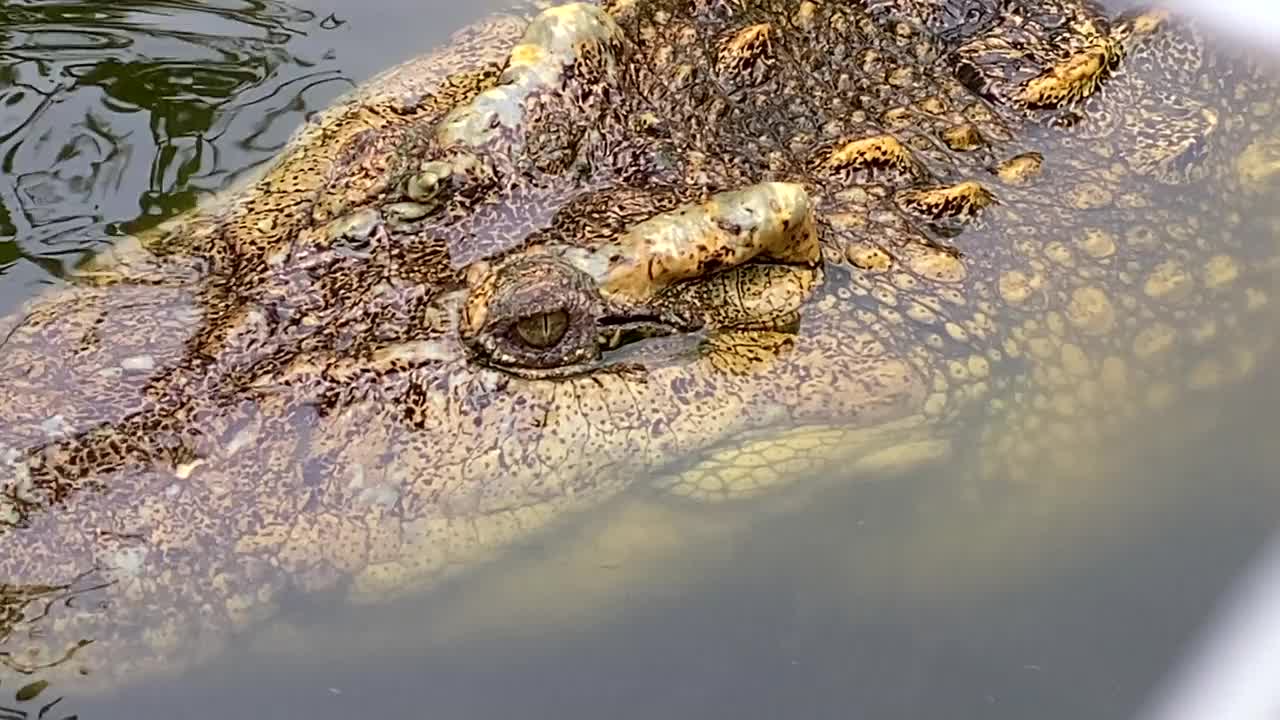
544	329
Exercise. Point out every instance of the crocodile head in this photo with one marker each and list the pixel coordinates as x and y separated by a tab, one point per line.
714	248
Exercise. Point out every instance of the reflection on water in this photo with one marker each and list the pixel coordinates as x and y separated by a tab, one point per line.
863	602
116	115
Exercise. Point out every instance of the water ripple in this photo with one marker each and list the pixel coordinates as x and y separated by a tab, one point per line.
115	115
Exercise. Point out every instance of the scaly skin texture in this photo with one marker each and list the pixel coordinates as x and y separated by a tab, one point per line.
716	246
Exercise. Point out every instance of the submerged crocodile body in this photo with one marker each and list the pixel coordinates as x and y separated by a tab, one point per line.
711	246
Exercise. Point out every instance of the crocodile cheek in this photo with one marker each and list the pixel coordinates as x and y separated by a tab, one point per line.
852	410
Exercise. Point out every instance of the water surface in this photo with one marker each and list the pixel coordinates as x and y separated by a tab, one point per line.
117	115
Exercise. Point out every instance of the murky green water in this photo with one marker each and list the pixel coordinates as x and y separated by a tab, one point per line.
116	115
879	601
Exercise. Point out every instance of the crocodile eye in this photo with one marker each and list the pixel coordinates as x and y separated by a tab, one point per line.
536	316
544	329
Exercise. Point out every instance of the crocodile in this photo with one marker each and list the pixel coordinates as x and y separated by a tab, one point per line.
709	247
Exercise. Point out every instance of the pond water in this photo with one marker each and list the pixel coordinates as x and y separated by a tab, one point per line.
118	115
885	600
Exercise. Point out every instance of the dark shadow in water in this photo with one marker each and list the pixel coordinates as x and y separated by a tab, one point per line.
116	115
